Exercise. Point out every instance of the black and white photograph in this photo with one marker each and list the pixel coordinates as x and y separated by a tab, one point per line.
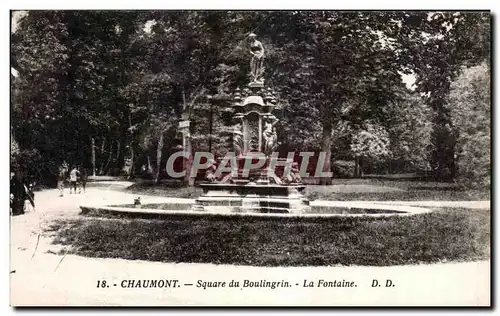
272	158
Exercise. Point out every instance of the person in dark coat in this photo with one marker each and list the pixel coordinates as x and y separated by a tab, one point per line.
17	194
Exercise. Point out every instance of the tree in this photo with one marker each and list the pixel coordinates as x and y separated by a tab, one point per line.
470	112
370	142
72	64
126	78
41	57
408	122
438	44
344	65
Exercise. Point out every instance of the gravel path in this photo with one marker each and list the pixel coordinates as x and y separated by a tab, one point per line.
39	277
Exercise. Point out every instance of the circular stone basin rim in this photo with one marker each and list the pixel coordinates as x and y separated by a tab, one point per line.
397	210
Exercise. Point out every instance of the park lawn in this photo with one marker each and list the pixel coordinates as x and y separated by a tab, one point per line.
444	235
410	194
345	190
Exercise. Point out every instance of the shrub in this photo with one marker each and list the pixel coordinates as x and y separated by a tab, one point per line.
343	169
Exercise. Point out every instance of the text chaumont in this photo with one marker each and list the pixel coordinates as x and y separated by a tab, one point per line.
136	283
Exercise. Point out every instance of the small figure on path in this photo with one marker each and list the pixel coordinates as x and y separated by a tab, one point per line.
73	177
30	193
17	193
61	176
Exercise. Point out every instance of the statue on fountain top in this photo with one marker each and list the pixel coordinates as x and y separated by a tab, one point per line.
256	63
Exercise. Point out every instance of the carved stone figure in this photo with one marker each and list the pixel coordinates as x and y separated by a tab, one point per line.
294	176
238	138
238	143
210	173
256	63
269	135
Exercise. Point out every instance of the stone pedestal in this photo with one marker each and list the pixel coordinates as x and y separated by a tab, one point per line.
251	197
256	85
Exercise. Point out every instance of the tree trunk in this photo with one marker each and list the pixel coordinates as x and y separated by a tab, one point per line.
210	128
356	167
187	143
92	144
101	156
359	166
189	163
103	170
361	172
159	151
118	149
326	146
131	171
150	168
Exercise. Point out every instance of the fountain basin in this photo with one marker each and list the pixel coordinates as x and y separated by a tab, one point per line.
318	210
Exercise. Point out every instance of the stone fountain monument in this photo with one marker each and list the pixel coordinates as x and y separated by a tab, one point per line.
260	189
252	191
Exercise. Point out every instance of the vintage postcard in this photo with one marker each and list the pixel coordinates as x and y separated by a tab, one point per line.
250	158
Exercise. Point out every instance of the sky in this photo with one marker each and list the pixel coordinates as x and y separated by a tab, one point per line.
16	15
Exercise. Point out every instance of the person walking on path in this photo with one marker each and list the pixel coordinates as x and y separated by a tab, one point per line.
17	193
61	176
73	177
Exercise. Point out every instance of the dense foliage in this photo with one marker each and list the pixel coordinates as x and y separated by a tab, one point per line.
117	83
470	112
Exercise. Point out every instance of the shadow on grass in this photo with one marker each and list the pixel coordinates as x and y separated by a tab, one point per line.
445	235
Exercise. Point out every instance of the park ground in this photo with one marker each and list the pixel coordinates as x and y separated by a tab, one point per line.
58	255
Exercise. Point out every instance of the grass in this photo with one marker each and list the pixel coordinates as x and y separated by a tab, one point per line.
345	190
394	190
443	235
410	195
